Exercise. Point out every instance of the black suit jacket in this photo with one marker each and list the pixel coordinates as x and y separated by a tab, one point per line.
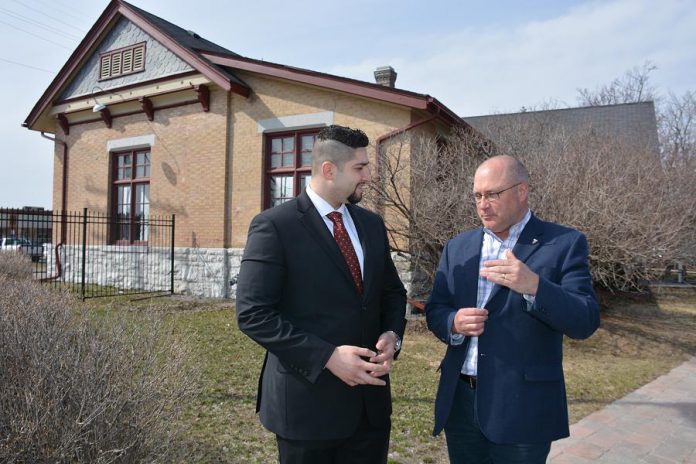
296	298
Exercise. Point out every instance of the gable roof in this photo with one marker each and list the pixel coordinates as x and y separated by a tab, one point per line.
633	123
184	48
219	64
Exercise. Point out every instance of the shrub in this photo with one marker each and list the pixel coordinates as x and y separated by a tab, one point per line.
14	264
82	387
639	215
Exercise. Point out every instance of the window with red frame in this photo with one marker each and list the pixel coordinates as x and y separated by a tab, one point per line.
288	165
131	196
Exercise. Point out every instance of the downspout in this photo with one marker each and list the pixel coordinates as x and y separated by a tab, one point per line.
227	223
382	138
378	147
419	306
63	206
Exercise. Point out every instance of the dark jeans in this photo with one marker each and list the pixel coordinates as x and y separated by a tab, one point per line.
368	445
467	445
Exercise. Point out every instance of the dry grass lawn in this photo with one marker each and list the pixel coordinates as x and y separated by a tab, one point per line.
639	339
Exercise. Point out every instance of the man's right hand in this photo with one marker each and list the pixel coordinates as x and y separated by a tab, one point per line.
469	321
347	364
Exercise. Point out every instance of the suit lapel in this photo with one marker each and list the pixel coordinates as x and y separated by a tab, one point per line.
530	239
472	259
315	225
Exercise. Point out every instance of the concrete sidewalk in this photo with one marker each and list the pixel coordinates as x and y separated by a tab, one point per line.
654	424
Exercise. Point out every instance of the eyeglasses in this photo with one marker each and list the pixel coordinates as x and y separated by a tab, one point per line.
492	196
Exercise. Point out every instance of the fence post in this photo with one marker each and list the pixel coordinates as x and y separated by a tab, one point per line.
84	252
681	273
171	256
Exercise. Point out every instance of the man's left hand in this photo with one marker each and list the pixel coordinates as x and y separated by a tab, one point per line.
386	348
512	273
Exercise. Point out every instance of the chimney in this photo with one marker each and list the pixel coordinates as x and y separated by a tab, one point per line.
386	76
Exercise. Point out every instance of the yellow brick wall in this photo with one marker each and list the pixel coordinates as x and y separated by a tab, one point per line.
274	98
187	167
196	153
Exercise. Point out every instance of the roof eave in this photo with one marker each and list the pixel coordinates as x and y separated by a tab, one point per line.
364	89
193	59
73	62
118	7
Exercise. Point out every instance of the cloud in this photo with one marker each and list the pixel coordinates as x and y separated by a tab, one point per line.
479	70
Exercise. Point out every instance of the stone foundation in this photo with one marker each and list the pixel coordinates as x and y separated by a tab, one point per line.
203	272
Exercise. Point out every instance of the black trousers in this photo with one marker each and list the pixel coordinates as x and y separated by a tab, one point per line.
369	444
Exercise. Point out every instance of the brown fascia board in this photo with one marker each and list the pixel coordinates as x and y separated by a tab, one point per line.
343	84
71	65
446	114
192	58
102	23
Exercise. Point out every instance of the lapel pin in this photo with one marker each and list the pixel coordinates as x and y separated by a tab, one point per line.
535	241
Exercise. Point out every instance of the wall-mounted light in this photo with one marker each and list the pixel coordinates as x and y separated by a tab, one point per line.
98	107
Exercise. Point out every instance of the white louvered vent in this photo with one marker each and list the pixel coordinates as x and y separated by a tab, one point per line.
139	58
105	70
116	64
124	61
127	64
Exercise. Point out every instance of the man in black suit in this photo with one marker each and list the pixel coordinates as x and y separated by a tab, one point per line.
319	291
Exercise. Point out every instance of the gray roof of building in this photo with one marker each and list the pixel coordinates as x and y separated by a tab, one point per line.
188	39
631	122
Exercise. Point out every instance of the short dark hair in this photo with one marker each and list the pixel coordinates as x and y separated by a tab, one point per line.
354	138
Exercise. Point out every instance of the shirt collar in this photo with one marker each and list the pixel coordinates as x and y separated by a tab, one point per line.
323	206
515	230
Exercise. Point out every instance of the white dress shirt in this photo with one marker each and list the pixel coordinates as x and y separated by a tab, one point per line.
491	248
324	208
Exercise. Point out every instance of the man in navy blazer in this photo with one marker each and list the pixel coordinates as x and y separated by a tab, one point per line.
324	299
503	298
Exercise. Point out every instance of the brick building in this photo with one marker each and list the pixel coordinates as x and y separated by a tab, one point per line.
151	119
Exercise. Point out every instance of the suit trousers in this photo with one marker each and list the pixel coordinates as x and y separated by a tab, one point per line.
369	444
466	444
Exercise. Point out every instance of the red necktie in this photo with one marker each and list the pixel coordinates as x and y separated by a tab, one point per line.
346	247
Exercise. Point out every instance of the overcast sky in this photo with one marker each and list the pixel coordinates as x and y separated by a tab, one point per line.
476	57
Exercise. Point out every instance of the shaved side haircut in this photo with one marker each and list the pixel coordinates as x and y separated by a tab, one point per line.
336	144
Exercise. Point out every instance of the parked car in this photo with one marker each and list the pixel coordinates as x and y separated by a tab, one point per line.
22	245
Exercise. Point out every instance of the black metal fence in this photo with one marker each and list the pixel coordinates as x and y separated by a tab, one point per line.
82	251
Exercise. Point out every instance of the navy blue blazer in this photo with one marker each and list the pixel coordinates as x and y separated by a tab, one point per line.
520	395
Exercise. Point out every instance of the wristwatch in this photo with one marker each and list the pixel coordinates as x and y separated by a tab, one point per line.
397	342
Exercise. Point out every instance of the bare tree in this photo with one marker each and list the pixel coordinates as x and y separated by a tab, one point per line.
637	214
636	206
633	86
677	130
676	116
423	188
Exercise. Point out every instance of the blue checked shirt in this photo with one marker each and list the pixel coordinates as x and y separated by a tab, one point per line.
491	248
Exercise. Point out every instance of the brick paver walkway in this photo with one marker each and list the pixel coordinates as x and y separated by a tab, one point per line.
654	424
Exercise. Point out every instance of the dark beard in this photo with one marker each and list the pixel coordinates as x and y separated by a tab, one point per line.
354	198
